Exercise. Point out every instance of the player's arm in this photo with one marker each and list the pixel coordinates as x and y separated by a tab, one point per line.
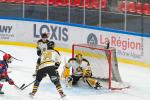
69	63
57	59
38	48
87	72
5	76
1	69
66	71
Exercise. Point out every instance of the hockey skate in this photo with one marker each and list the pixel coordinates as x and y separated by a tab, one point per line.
34	75
62	94
97	86
32	94
1	92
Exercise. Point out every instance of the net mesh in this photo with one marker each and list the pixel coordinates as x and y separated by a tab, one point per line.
97	58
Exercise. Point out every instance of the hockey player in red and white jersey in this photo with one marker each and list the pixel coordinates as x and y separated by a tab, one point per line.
50	61
80	70
7	58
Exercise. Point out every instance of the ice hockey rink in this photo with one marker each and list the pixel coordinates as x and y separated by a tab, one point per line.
21	72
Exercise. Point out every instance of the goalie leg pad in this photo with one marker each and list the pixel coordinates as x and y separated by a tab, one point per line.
66	73
92	82
69	81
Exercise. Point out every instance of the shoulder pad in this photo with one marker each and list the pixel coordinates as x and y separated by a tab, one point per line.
72	59
39	40
42	41
47	41
86	61
57	52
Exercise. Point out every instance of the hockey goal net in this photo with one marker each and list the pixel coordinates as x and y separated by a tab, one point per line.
103	63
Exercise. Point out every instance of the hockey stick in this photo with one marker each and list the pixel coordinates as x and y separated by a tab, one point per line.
108	45
23	87
18	86
11	56
63	67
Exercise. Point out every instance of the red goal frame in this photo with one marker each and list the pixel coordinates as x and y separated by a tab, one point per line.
109	52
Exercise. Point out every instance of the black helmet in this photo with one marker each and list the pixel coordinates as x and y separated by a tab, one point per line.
50	45
44	35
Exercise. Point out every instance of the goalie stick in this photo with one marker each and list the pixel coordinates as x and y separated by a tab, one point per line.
11	56
63	68
108	45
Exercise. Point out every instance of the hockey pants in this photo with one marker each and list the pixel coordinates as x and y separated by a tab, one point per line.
53	75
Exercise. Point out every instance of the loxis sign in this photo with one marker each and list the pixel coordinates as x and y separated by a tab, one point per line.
57	33
125	45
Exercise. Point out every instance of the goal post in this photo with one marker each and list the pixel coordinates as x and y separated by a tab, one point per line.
103	62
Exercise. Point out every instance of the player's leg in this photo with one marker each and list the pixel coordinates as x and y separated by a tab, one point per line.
72	80
69	81
1	86
92	82
75	79
37	65
39	77
55	79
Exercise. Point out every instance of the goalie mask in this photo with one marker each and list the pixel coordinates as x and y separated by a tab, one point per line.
79	57
7	58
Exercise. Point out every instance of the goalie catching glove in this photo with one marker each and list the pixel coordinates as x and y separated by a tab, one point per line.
87	73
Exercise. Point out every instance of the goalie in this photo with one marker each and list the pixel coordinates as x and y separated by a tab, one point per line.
80	69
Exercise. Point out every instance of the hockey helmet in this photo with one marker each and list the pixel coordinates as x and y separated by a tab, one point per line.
7	57
79	56
51	45
44	35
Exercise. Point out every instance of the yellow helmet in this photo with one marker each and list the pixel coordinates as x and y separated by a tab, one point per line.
79	56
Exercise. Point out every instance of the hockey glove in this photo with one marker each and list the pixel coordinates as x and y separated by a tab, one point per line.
57	64
79	69
87	73
11	82
39	52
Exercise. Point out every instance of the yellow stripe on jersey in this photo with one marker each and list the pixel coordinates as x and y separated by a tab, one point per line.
45	64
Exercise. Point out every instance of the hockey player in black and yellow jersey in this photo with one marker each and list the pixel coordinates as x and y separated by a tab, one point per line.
50	61
41	46
80	69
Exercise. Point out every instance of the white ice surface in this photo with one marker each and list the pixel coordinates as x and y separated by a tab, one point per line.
137	77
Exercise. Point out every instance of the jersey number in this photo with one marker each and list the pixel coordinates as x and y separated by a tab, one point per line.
47	56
